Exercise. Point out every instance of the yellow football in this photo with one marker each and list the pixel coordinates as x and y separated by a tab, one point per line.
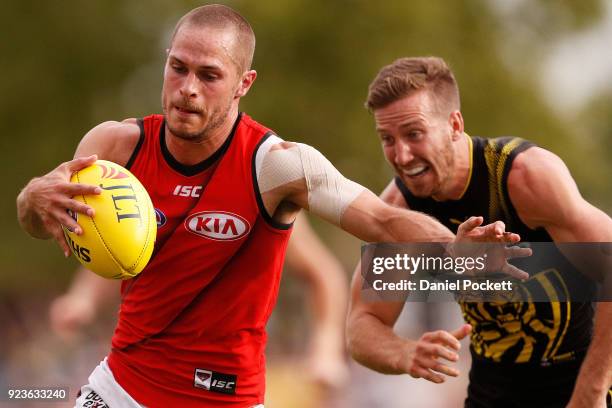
117	242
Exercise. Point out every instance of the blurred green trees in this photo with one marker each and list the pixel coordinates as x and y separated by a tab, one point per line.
69	66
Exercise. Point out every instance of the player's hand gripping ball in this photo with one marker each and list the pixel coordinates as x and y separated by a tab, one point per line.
117	242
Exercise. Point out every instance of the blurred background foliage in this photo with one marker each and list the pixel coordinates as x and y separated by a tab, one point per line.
69	65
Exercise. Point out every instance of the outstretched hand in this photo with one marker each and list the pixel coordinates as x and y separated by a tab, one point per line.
492	239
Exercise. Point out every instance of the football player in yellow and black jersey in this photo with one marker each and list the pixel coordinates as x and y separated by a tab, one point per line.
527	354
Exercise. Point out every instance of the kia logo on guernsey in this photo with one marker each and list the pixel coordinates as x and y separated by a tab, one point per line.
217	225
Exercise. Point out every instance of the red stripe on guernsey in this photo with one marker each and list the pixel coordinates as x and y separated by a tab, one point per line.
204	299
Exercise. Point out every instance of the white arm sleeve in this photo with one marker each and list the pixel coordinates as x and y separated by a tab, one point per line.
329	192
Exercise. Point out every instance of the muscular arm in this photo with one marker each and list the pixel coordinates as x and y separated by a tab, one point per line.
373	343
545	195
42	204
370	336
300	176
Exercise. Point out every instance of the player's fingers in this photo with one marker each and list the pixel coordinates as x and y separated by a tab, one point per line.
67	221
469	225
74	189
78	207
444	369
499	228
437	350
494	230
429	375
517	252
510	238
462	331
444	338
515	272
79	163
59	237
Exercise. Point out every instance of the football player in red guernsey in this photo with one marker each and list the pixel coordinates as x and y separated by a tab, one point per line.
191	329
326	297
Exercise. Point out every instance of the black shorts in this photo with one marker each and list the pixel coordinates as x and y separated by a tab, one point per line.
521	385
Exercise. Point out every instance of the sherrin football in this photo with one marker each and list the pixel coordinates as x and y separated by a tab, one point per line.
117	242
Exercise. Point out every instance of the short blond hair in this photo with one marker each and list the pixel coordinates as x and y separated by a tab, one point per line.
408	75
220	16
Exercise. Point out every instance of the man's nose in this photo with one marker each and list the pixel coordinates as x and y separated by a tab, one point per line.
403	154
189	86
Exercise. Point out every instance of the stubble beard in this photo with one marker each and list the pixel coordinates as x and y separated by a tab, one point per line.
445	173
216	119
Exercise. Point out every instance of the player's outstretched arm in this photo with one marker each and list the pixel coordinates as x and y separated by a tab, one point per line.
294	175
545	195
43	203
372	220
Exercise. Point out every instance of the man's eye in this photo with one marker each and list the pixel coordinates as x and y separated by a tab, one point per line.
415	134
209	77
179	69
386	140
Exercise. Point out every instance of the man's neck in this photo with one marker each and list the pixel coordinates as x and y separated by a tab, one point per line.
462	171
190	152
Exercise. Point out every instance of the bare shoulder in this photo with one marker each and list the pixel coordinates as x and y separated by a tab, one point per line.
393	196
111	140
538	182
534	160
535	168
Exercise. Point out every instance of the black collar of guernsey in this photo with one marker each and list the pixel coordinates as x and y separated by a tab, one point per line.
204	164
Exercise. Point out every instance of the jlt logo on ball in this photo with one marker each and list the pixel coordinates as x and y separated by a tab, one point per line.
125	201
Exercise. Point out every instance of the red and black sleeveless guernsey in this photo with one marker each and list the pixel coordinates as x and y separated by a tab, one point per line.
191	328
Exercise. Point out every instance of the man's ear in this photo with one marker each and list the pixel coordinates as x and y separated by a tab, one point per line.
245	83
455	121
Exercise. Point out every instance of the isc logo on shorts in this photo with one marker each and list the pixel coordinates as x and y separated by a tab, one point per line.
213	381
217	225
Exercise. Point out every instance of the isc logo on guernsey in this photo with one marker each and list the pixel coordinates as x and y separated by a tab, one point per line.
187	191
217	225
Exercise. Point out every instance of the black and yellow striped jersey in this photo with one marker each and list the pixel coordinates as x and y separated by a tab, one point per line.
513	332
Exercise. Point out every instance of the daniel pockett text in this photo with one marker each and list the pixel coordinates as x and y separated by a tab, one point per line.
478	272
431	266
